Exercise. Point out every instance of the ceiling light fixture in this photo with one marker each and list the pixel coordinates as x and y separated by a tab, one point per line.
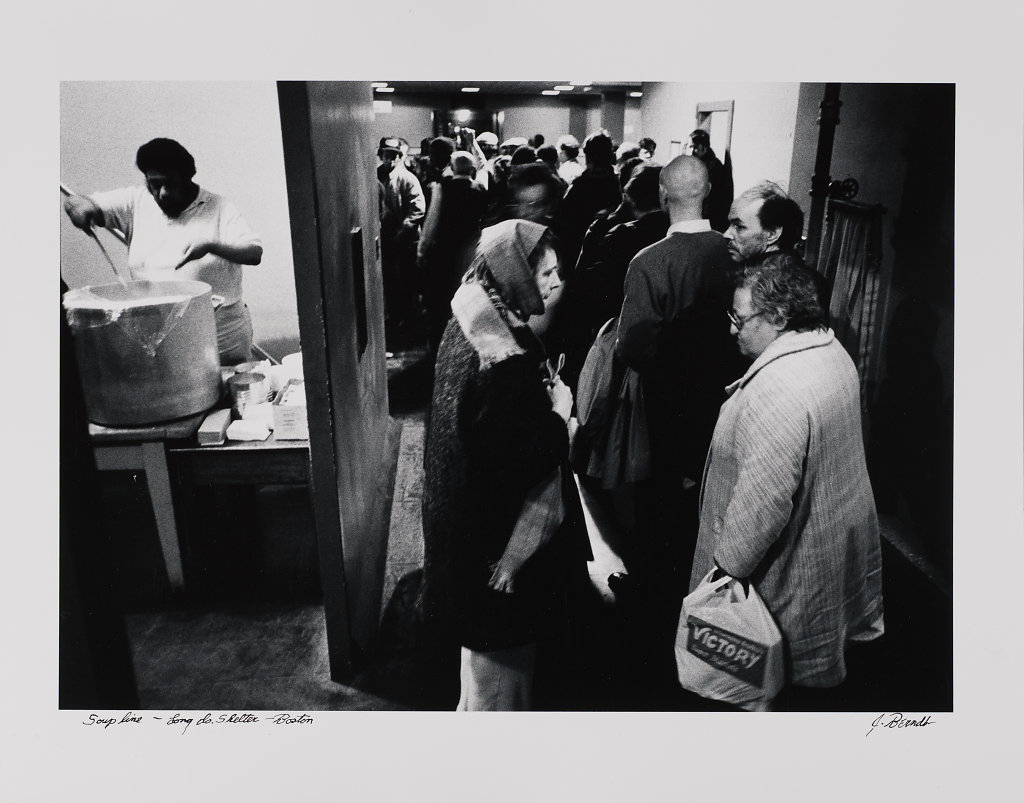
549	92
470	89
565	87
636	94
384	89
376	84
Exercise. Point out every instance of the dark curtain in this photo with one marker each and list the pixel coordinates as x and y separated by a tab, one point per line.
849	259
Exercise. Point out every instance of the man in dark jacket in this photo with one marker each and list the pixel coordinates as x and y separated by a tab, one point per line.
716	205
601	280
674	331
450	232
596	188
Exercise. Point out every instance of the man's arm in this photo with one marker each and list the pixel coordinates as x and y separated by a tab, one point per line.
416	204
247	254
236	241
430	224
770	449
84	212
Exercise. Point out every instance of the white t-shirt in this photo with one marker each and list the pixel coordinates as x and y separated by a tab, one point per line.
156	242
570	170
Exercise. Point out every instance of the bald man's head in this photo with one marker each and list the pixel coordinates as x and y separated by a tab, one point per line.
684	180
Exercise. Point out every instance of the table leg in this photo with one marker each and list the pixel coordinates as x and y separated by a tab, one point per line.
155	462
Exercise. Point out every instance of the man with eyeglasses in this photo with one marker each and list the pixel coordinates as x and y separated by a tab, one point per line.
672	330
786	498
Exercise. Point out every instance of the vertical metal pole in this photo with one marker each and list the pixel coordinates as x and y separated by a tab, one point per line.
828	119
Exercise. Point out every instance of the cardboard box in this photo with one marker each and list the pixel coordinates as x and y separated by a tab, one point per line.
290	412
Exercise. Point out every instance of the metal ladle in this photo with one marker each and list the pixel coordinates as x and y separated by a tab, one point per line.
91	232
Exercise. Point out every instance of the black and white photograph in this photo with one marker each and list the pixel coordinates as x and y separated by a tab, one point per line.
671	417
256	567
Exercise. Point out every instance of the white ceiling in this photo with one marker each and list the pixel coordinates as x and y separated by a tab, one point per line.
509	87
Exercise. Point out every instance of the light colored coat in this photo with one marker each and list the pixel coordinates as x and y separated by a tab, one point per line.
786	501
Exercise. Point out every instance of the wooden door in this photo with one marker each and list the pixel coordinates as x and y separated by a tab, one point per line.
333	205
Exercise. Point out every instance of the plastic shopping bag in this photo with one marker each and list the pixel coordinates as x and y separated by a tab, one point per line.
728	647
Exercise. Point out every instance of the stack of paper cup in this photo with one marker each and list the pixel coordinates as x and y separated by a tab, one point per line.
278	376
293	362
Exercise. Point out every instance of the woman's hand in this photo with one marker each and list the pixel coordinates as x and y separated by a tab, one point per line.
561	398
502	578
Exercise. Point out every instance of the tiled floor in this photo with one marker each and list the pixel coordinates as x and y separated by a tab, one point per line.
273	659
405	544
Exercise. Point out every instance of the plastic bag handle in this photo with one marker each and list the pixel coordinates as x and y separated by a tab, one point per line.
724	580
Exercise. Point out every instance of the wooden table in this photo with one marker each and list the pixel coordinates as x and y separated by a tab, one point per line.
174	463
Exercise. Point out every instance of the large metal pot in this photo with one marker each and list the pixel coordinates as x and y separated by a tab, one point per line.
147	351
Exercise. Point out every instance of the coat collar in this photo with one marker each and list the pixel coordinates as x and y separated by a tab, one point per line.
787	343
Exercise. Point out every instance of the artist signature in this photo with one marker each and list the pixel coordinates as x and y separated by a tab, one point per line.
898	720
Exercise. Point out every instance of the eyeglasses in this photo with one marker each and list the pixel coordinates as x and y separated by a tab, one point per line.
737	321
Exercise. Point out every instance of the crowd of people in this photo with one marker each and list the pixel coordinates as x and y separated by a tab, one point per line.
752	455
739	411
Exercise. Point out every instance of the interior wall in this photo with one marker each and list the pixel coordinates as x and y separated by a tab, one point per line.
762	128
805	146
232	129
633	127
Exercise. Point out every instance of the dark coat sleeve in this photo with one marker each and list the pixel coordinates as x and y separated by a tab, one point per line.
515	439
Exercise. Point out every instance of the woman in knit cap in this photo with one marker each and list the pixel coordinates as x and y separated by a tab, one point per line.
501	531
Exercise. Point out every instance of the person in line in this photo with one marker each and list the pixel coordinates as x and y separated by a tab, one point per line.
671	330
595	189
647	147
625	152
601	281
762	220
523	155
716	205
178	230
569	167
450	233
548	154
533	193
606	219
786	499
403	209
486	142
439	161
508	147
419	165
502	531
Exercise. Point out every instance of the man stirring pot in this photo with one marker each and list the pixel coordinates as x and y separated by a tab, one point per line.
177	230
